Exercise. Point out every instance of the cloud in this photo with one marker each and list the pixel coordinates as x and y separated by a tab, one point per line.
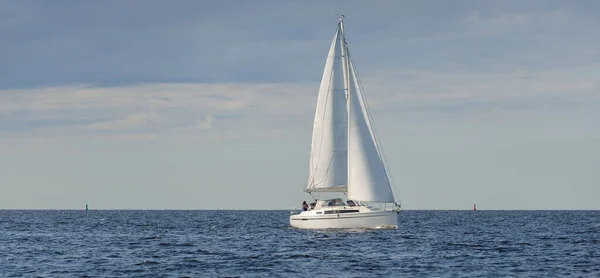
159	109
129	122
263	76
576	84
107	44
242	110
206	124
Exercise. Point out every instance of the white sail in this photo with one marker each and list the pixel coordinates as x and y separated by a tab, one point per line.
345	156
328	171
368	181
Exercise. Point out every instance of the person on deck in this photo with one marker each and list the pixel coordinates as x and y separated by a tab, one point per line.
304	206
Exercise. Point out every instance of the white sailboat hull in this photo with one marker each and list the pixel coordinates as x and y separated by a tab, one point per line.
370	219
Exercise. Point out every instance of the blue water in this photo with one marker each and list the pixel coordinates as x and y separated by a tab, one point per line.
261	244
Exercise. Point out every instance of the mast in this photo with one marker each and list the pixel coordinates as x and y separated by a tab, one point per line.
346	73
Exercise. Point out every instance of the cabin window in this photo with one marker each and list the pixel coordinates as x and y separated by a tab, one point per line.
340	211
334	202
351	203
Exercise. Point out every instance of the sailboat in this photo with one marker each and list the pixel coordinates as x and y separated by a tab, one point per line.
345	157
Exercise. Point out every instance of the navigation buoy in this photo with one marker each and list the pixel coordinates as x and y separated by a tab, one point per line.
474	207
86	206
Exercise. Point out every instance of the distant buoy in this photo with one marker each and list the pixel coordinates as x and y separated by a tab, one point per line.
86	206
474	207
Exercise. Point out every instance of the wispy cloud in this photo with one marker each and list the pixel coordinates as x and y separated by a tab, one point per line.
521	22
54	45
414	86
245	108
158	108
129	122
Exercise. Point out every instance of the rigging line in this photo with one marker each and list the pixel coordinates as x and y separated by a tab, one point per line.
389	177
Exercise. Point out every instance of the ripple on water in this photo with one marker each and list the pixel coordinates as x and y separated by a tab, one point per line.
261	244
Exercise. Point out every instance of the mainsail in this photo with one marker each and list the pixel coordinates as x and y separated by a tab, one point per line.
328	171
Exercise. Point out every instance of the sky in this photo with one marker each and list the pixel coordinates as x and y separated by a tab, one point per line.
209	104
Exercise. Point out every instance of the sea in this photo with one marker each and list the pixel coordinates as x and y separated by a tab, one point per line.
260	243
